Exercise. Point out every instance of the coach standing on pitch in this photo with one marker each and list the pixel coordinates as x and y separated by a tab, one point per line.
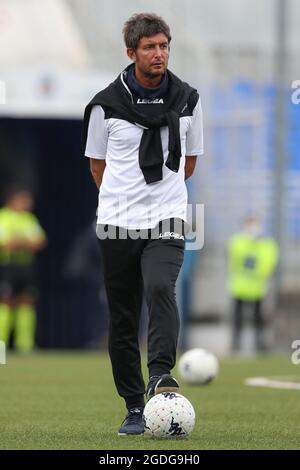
143	134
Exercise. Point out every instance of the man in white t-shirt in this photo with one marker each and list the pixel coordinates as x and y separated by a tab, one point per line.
143	134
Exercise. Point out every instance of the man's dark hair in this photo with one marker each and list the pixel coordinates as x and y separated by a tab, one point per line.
142	25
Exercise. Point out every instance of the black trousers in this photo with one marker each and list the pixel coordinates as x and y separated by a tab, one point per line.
133	268
238	321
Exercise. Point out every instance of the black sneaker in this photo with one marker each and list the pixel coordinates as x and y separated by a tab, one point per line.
161	383
133	423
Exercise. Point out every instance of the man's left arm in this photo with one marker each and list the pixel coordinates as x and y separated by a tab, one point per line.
190	163
194	140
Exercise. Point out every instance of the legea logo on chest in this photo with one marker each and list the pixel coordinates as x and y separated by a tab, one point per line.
149	101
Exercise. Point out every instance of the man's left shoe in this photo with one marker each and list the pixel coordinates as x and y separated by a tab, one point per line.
133	423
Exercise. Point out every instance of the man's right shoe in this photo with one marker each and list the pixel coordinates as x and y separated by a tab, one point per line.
161	383
133	423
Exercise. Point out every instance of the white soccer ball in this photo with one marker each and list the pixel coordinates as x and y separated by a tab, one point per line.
198	366
169	415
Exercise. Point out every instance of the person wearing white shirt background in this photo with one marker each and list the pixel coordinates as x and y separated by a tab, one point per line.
142	135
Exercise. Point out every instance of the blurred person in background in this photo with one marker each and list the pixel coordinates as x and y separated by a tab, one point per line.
83	263
185	291
186	280
252	259
143	135
21	237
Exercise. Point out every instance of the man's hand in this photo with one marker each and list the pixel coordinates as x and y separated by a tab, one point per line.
97	168
21	244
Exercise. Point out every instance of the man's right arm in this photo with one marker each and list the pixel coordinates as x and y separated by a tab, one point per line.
97	168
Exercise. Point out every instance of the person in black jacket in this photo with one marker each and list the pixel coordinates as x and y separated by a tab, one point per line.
143	134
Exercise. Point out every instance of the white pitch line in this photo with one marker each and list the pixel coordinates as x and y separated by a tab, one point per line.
265	382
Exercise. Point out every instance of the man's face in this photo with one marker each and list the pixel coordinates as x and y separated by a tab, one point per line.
151	56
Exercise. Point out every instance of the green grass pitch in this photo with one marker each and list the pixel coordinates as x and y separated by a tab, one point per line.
68	401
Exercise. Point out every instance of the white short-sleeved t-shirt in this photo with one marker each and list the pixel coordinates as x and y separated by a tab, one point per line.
125	199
